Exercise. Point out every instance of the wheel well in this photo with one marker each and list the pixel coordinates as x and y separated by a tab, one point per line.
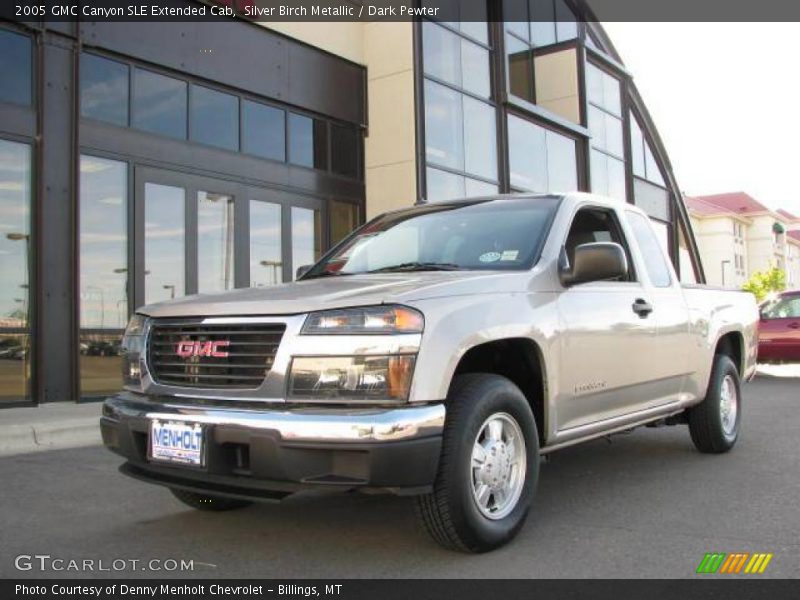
730	345
517	359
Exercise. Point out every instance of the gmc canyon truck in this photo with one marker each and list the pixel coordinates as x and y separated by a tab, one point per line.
438	352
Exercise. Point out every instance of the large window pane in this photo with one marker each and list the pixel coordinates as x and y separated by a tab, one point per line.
442	50
442	185
104	89
15	366
103	273
159	104
444	139
687	274
15	199
520	68
307	142
306	237
480	143
103	243
16	65
266	257
344	219
652	199
263	130
215	118
475	69
215	236
541	160
344	150
164	232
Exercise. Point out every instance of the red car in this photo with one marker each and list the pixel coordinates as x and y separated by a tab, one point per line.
779	329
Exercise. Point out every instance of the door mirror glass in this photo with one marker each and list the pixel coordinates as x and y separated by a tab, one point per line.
597	261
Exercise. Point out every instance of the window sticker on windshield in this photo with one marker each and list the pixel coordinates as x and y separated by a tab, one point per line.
488	257
509	255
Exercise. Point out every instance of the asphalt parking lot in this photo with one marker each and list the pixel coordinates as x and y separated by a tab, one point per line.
645	505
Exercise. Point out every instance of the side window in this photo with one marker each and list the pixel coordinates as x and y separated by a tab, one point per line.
653	256
596	225
784	308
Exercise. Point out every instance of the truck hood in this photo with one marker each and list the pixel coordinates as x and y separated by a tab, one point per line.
336	292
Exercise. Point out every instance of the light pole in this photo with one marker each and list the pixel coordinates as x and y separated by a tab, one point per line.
275	264
171	289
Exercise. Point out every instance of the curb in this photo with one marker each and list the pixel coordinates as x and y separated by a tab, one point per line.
27	438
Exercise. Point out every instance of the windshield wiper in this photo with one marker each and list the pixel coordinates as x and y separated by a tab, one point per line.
418	266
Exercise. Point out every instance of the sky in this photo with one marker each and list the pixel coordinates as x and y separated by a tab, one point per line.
725	99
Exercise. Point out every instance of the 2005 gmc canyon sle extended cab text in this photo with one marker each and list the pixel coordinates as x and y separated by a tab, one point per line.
437	351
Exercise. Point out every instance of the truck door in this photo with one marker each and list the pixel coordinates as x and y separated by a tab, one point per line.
607	334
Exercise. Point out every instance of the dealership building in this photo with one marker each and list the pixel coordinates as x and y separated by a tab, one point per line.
142	162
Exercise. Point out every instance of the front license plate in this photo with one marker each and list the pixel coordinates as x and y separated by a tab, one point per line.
177	442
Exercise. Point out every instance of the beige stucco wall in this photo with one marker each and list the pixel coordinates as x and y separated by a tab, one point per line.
718	249
386	49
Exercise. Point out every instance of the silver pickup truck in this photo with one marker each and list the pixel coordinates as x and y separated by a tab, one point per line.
438	352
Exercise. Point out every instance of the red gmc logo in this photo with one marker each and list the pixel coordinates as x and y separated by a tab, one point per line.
187	349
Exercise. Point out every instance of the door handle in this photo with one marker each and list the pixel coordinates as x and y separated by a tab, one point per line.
794	325
642	308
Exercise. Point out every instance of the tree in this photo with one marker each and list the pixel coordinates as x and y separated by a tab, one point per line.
763	283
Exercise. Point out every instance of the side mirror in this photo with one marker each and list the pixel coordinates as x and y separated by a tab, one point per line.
598	261
302	271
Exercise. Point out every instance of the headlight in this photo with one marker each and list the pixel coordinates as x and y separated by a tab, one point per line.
367	320
132	350
351	377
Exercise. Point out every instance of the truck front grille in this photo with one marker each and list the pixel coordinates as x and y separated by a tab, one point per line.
220	356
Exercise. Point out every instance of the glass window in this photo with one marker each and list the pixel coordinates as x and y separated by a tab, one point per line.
475	187
785	307
214	118
103	273
541	160
344	219
456	60
104	89
16	65
520	68
551	21
263	130
266	256
687	273
307	142
488	235
215	236
651	247
444	130
480	138
103	243
306	237
159	104
442	185
345	157
644	163
607	163
15	200
652	199
164	232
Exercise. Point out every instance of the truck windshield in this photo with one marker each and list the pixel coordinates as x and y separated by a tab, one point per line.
502	234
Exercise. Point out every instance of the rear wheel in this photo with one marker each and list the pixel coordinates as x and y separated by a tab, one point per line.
208	501
488	469
714	423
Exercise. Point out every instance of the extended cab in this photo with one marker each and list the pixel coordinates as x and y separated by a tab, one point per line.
437	351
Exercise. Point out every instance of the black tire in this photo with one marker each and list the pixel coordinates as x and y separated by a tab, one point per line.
450	512
706	420
208	501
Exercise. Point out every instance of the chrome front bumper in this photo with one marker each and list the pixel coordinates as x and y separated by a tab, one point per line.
280	448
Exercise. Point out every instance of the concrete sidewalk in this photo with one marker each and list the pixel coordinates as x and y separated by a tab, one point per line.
50	426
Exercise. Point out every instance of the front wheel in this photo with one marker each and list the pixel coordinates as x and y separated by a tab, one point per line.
488	468
714	423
